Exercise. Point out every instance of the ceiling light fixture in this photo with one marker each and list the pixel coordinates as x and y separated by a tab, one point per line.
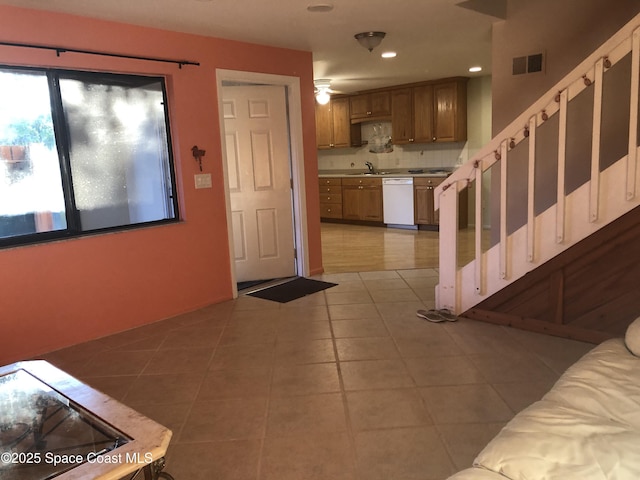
388	55
475	69
369	40
323	91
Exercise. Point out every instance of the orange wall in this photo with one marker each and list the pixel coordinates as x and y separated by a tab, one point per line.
61	293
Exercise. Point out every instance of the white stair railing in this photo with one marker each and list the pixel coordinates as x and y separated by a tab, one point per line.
607	195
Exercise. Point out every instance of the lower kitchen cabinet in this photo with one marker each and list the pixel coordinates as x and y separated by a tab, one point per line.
424	207
424	203
331	198
362	199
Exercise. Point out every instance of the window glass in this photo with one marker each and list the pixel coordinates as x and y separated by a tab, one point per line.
117	150
31	195
107	165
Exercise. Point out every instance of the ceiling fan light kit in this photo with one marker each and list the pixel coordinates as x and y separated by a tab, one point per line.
369	40
323	90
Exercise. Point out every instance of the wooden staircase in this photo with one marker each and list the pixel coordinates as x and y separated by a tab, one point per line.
589	292
563	260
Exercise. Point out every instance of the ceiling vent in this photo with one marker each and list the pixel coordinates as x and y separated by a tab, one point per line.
528	64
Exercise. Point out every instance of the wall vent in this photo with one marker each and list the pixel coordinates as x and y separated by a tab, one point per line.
528	64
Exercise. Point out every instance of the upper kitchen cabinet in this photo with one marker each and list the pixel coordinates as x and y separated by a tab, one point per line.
333	125
372	106
431	112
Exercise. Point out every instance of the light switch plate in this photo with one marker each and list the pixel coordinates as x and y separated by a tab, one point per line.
203	180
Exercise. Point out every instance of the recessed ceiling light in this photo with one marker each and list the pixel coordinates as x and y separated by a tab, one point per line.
320	8
388	54
475	69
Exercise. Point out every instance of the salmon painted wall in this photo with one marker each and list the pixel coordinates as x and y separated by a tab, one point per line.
62	293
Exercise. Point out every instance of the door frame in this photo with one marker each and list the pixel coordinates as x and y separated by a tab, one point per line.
294	125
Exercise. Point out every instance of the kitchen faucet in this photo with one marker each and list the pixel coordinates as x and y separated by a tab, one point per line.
370	167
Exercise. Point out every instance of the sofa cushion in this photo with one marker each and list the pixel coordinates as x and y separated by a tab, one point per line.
632	337
586	427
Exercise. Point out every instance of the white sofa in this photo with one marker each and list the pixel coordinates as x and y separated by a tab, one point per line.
587	427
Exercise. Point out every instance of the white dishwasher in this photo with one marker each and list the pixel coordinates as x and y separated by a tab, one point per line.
397	201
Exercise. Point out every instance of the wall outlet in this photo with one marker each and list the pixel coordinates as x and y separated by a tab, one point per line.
203	180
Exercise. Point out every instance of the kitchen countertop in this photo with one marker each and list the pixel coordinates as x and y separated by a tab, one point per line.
427	172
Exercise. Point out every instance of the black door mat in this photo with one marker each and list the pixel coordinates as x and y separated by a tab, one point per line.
292	290
252	283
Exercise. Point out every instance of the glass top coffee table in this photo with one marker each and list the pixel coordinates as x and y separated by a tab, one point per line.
52	426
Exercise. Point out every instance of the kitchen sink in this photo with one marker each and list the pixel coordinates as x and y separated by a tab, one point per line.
367	174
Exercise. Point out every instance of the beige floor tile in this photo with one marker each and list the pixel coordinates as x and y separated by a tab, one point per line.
246	302
501	368
194	336
340	277
359	328
249	332
347	312
379	274
395	295
465	441
243	356
171	416
306	415
317	299
183	360
306	314
237	460
355	286
465	404
163	389
385	284
368	348
116	387
291	330
148	343
317	457
557	353
418	273
272	403
375	374
238	382
348	298
448	370
377	409
110	364
520	395
230	419
407	454
437	344
305	379
305	351
410	325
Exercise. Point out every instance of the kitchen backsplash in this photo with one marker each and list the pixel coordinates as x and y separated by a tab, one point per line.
431	155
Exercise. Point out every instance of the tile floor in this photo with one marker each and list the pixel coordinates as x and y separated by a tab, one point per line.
344	384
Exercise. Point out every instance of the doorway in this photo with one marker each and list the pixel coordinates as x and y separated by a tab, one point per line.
261	132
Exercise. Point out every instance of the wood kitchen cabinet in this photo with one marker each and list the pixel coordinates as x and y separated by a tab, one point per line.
333	125
330	198
424	202
362	199
370	106
432	112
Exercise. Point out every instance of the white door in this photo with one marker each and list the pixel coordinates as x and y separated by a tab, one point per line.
259	172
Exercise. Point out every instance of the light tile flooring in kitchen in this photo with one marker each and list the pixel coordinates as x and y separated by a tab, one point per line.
345	384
